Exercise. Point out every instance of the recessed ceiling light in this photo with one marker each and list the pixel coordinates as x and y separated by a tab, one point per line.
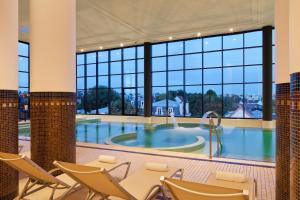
170	38
121	45
231	29
100	47
198	34
81	50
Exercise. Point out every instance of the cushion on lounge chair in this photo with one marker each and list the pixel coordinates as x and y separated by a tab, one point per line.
159	167
233	177
107	159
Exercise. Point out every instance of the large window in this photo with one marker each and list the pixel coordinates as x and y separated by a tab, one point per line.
111	82
23	79
220	73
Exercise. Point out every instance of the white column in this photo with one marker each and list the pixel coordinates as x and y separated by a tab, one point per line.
294	36
52	45
9	45
8	95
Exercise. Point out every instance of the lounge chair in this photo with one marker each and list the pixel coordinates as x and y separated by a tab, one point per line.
214	189
42	184
143	184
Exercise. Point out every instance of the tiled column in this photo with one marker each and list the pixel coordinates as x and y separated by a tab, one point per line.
8	94
282	101
52	59
294	45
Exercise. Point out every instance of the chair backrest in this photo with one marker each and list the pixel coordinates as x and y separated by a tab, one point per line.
27	166
182	190
94	178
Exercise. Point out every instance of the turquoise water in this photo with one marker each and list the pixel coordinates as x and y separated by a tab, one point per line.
240	143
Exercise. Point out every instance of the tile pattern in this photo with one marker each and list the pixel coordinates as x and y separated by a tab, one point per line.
295	137
283	141
8	141
52	127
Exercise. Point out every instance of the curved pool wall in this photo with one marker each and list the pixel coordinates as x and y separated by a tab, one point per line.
239	143
200	142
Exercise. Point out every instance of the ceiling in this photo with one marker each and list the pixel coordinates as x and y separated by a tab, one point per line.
108	23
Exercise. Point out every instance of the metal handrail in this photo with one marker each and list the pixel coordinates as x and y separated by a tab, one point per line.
219	144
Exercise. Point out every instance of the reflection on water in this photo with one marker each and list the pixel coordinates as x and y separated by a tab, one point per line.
240	143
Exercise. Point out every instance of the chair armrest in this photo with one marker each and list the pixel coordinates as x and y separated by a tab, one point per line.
149	196
127	164
180	172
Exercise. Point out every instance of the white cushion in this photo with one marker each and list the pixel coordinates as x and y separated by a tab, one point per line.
159	167
233	177
107	159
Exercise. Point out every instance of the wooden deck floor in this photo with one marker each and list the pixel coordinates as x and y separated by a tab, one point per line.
195	170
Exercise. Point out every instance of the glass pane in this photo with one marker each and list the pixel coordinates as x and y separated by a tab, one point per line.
273	54
129	102
80	83
140	52
175	78
91	70
175	62
193	77
80	102
80	70
233	101
80	59
253	73
23	64
103	68
212	43
129	66
273	73
159	64
129	53
193	101
140	95
233	41
213	59
115	81
90	82
253	39
103	56
140	66
159	49
273	36
141	80
213	98
115	54
129	80
90	106
253	101
159	79
233	58
115	68
159	102
175	48
193	46
175	101
193	61
212	76
116	101
91	58
103	101
103	81
253	56
23	79
233	75
23	49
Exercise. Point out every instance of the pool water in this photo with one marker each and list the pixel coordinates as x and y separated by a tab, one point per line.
240	143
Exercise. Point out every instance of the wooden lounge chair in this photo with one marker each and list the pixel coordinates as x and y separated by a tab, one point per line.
141	185
42	184
214	189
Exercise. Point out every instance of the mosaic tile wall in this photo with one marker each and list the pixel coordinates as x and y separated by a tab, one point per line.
52	127
283	141
295	137
8	142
